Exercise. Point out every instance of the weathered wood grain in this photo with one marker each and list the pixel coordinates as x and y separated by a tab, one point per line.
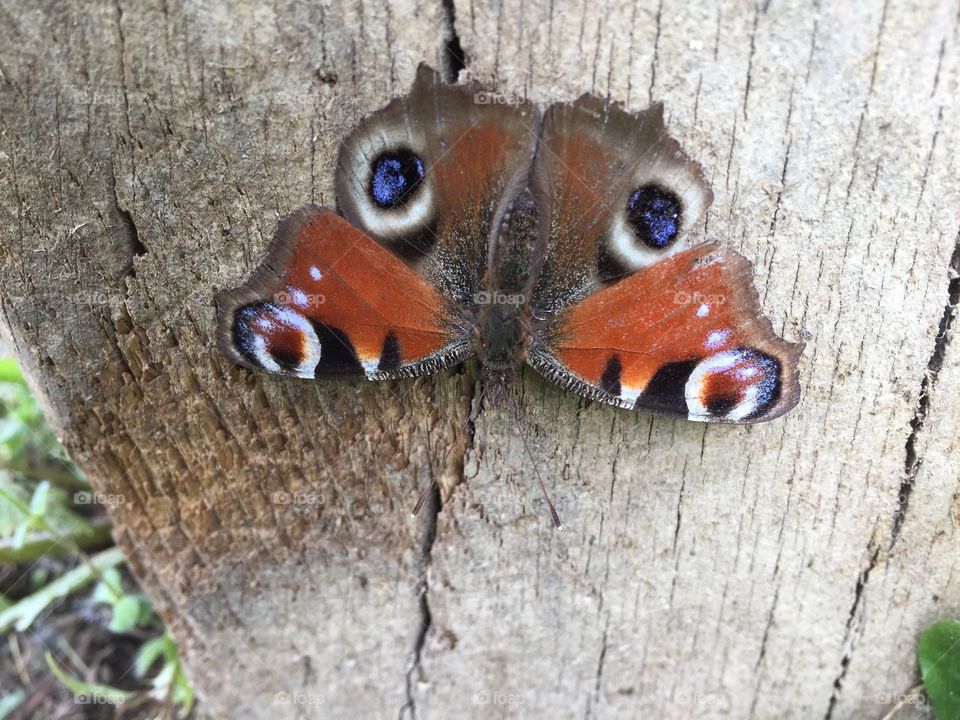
783	570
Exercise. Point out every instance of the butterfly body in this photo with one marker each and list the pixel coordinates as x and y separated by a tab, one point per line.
499	343
565	241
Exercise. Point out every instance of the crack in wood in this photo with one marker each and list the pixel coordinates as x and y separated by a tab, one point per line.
912	460
431	509
425	618
452	51
848	640
929	162
654	61
595	698
129	231
753	52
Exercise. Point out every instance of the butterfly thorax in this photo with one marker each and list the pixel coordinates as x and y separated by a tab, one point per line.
500	338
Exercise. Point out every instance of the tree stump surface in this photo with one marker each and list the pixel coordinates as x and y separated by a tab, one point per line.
778	571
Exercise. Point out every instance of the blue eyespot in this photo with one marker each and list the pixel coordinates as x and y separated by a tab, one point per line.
396	176
655	214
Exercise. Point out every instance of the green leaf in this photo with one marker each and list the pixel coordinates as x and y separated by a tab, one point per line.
24	612
146	611
20	535
126	612
39	543
11	702
9	372
109	589
170	682
183	693
939	654
14	506
149	652
101	693
57	523
38	502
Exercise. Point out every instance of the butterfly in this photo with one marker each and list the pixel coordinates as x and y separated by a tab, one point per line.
472	225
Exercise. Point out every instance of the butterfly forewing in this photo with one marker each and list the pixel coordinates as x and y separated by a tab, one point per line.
330	302
684	337
616	194
431	175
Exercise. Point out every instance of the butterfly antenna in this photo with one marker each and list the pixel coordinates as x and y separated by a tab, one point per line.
474	411
536	470
423	495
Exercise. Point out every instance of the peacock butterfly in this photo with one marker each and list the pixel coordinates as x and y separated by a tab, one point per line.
469	226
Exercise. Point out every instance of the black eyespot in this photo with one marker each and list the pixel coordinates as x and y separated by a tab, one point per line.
396	176
245	333
655	214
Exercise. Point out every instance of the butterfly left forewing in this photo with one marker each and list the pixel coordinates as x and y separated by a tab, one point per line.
684	337
330	302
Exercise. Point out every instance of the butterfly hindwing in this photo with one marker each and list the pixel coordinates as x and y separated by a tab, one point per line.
616	194
330	302
431	175
684	337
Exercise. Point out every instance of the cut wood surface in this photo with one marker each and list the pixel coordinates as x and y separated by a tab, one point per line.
783	570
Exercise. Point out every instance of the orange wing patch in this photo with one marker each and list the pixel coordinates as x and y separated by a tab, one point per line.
683	337
330	301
